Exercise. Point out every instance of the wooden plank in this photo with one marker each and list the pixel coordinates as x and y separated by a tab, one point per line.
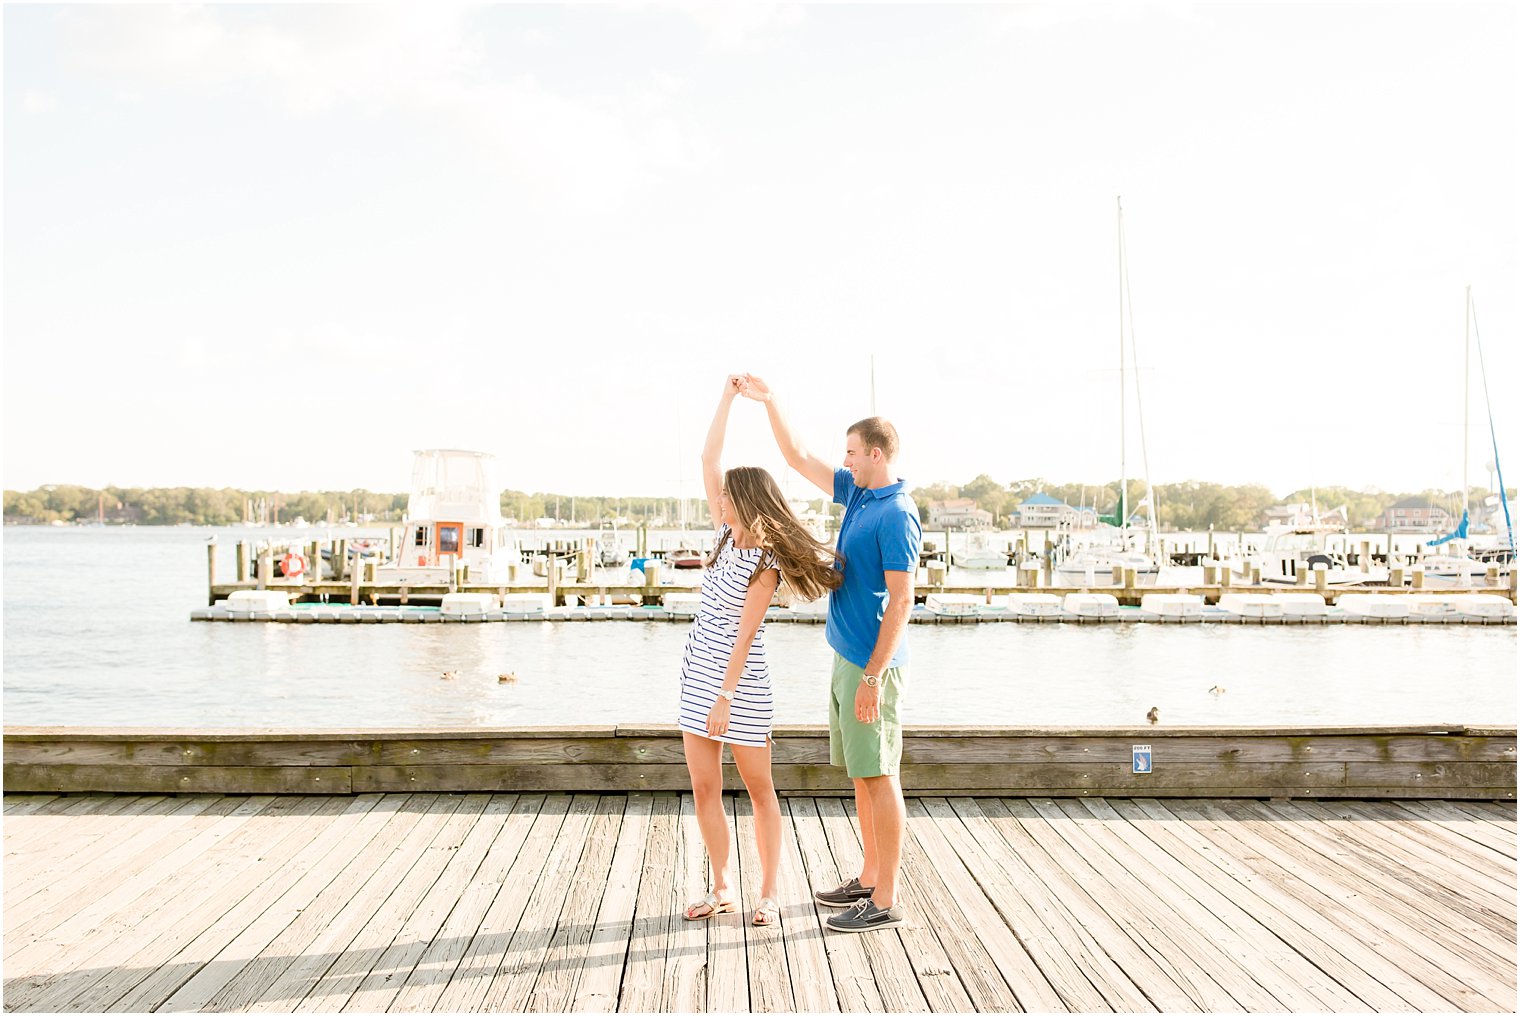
131	875
568	947
98	871
1437	779
180	779
466	989
1225	955
1301	984
853	986
335	987
807	961
509	989
685	976
182	947
770	986
193	897
460	864
1165	968
1432	873
885	952
596	989
1357	922
1342	878
954	968
853	983
644	975
727	973
1086	977
76	822
287	962
440	959
1377	984
33	865
975	921
1463	819
17	805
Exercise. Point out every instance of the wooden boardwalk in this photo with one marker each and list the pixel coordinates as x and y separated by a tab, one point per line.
560	902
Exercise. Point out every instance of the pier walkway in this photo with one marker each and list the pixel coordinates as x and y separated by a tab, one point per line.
571	902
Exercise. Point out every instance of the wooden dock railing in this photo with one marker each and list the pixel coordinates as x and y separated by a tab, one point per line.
1265	762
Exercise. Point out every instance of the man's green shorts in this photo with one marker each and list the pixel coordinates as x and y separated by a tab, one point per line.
865	749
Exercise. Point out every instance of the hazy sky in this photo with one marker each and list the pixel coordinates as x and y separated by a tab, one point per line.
284	246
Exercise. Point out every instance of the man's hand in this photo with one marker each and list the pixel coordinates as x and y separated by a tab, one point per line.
867	703
752	387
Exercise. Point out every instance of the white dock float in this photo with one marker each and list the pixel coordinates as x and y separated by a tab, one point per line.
1374	605
1252	604
1484	605
681	604
1172	604
525	603
467	604
1034	604
257	601
1091	604
952	604
1302	604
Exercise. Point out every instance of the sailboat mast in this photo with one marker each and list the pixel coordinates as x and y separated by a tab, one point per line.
1466	384
1123	512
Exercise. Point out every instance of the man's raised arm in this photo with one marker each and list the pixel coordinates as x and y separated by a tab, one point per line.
814	469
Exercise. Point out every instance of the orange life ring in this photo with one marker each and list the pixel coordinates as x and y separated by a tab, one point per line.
293	565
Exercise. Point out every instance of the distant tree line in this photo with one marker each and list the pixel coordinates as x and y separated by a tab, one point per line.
1193	505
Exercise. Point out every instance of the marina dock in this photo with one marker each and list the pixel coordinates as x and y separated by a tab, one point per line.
533	902
537	869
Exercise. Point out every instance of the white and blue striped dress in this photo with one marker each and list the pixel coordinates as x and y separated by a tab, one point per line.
710	645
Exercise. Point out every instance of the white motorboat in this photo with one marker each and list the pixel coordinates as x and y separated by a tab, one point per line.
980	555
611	552
1292	556
453	519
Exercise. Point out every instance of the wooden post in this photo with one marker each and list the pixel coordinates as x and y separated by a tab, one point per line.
1131	579
1300	575
1032	574
1396	576
392	543
1364	561
211	572
1211	573
1118	574
242	561
266	566
453	573
1417	577
1321	578
583	561
1050	565
1225	576
353	588
1211	541
1256	574
340	560
552	573
313	562
1491	578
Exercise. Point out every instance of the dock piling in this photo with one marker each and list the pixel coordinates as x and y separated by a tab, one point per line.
211	572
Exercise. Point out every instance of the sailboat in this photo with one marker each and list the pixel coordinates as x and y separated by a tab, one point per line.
1457	564
1116	545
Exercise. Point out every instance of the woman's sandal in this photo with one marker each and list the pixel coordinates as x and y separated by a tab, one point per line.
713	905
767	912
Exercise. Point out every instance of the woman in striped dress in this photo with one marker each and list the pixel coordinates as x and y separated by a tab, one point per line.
725	684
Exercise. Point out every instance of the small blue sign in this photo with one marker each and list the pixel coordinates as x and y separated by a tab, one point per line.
1140	755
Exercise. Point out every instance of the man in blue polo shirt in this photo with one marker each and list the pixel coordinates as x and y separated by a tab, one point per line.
879	540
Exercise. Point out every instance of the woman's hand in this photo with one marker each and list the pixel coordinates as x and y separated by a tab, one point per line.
732	385
752	387
717	717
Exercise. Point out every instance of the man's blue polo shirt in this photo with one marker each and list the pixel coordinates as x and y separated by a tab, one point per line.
880	532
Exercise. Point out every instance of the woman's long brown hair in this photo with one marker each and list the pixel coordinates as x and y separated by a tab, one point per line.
756	502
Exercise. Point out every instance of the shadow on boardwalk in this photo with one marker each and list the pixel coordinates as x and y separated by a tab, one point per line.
506	902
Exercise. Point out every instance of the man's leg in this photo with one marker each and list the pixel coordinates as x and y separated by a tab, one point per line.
888	818
869	862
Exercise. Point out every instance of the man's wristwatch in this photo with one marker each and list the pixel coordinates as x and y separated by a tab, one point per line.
726	694
871	680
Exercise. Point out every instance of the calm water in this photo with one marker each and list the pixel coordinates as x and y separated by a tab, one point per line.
97	632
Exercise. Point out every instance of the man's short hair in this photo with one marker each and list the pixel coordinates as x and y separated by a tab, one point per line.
877	432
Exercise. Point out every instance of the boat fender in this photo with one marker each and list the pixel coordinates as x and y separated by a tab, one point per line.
293	565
